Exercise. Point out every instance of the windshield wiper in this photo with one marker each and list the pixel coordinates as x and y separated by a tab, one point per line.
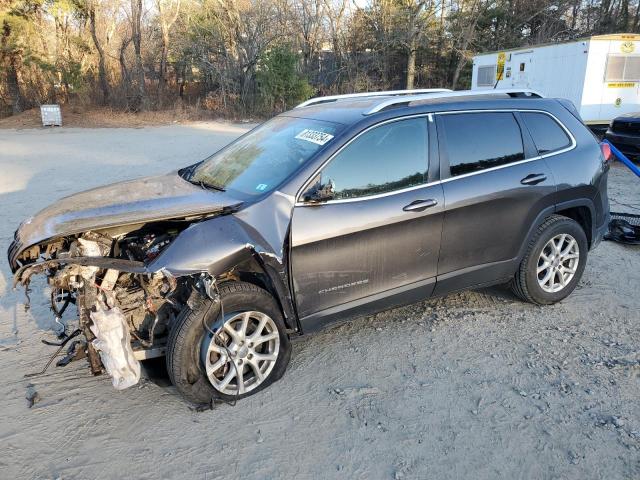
207	186
188	174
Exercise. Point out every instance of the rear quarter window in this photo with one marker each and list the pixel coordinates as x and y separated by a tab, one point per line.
477	141
547	134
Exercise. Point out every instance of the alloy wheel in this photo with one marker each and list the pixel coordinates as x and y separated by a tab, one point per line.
558	263
243	353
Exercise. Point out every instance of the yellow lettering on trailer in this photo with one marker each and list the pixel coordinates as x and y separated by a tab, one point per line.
621	84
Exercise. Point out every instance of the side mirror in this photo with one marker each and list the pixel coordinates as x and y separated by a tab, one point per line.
320	192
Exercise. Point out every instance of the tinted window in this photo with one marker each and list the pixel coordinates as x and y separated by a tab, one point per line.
476	141
386	158
547	134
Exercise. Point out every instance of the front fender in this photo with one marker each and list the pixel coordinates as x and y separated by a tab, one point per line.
216	246
213	246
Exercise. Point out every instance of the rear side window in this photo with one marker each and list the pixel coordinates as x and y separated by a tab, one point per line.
477	141
386	158
547	134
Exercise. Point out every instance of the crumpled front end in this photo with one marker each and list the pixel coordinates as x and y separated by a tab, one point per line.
124	309
144	275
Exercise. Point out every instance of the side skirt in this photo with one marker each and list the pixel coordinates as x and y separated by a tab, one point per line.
405	295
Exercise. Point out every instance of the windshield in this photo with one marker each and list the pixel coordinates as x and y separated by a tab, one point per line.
260	160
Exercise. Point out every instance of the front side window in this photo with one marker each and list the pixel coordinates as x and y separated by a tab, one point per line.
390	157
259	161
624	68
547	135
477	141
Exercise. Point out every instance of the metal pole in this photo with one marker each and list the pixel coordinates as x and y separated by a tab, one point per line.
621	156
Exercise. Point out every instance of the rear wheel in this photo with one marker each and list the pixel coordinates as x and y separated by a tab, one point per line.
554	262
249	351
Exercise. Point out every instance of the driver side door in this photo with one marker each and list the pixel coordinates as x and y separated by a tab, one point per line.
375	243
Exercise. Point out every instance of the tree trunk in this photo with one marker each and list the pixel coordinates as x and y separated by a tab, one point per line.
11	61
136	36
13	85
124	72
468	35
102	69
456	73
165	25
411	63
164	55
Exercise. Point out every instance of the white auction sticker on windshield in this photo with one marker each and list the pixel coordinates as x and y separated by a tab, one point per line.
314	136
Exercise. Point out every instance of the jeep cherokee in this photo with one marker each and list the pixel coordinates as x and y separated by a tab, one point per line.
342	206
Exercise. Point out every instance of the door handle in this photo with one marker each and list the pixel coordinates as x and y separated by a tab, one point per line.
533	179
420	205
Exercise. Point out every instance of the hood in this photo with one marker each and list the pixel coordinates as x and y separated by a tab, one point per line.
143	200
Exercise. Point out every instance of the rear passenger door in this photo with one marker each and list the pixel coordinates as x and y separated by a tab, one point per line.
495	185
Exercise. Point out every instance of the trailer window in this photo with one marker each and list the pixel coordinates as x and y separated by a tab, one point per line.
623	68
486	76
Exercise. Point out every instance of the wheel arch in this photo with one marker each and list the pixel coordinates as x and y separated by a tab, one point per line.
226	247
252	269
582	210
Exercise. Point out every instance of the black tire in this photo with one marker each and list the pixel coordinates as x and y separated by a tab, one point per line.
525	282
184	344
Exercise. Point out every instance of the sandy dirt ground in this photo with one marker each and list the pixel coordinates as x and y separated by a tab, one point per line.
475	385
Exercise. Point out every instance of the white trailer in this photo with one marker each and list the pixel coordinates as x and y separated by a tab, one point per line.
600	74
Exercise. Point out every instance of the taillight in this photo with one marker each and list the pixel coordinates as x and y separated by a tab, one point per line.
606	151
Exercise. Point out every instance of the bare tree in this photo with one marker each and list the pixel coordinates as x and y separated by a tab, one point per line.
309	22
469	12
168	11
417	14
222	50
136	37
335	12
9	60
90	9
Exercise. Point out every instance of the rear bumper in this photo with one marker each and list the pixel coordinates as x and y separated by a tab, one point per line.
627	144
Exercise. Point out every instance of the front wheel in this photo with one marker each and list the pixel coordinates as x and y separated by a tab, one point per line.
249	351
554	262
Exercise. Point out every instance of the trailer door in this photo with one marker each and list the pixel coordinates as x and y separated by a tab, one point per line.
521	65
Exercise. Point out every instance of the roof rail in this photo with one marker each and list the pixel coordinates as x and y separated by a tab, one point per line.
512	92
334	98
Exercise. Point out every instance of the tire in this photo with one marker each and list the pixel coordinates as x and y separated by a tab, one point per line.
526	283
185	355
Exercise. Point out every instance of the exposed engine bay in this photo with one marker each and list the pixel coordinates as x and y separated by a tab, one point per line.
124	315
139	258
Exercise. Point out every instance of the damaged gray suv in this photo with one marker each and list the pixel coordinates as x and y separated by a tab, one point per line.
342	206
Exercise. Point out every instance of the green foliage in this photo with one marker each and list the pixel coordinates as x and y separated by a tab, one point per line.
279	83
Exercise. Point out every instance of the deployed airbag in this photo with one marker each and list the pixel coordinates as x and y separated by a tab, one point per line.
113	342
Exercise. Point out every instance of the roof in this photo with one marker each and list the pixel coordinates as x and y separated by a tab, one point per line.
348	109
614	36
344	111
